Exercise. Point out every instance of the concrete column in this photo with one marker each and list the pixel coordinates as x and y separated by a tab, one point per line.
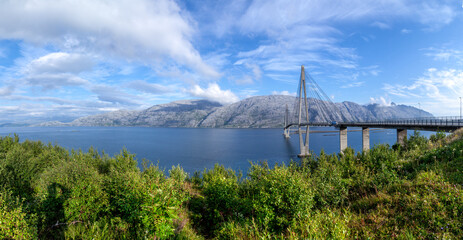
401	135
342	138
286	133
365	138
304	143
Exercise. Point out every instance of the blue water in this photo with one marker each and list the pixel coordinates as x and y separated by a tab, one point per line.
197	148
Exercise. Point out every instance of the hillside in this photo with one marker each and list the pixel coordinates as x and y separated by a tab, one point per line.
253	112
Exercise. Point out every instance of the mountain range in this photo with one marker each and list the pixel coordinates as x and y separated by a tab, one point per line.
253	112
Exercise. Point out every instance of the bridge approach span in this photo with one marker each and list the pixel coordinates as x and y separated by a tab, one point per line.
446	124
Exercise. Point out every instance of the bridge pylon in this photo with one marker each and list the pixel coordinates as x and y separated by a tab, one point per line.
286	130
302	100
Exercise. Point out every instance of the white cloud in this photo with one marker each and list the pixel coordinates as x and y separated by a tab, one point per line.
255	70
247	93
301	44
60	62
153	88
434	14
136	30
353	84
50	71
284	78
256	74
52	81
380	25
272	17
438	91
286	93
405	31
304	31
245	80
444	54
214	93
381	101
56	100
6	91
113	95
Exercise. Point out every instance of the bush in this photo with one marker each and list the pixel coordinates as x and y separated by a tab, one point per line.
323	224
426	207
70	193
178	174
22	163
220	201
14	222
145	202
278	197
439	136
331	187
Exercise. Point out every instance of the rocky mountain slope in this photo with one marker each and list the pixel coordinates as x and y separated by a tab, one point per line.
254	112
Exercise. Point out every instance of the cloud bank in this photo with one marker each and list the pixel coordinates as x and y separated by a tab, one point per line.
148	31
214	93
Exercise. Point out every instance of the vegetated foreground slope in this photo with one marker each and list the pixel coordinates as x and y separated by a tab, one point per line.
254	112
409	191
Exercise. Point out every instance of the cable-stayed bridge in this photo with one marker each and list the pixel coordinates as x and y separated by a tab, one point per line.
314	108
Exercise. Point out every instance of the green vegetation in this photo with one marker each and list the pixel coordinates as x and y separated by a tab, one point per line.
406	192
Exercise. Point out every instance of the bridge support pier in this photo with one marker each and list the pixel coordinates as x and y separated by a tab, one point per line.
365	138
342	138
401	135
286	133
304	145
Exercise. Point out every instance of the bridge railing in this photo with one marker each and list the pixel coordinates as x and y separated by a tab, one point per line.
423	121
449	121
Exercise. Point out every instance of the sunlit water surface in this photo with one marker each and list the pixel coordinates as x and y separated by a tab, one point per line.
198	148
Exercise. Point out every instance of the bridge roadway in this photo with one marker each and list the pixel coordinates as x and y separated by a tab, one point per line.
446	124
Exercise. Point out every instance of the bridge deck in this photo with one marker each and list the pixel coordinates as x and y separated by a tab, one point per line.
446	124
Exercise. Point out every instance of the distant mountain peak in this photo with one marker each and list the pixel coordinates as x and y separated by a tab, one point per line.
254	112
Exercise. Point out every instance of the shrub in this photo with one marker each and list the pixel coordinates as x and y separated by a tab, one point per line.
439	136
69	194
220	201
331	187
147	204
14	222
22	163
178	174
426	207
278	197
323	224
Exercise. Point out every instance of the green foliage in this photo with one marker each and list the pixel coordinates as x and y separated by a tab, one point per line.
14	222
323	224
330	186
22	163
415	142
269	199
426	207
84	195
278	197
439	136
220	201
410	191
178	174
71	192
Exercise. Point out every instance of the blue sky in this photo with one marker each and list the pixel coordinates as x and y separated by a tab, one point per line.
60	60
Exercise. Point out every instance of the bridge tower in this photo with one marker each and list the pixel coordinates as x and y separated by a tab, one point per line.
286	130
302	100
